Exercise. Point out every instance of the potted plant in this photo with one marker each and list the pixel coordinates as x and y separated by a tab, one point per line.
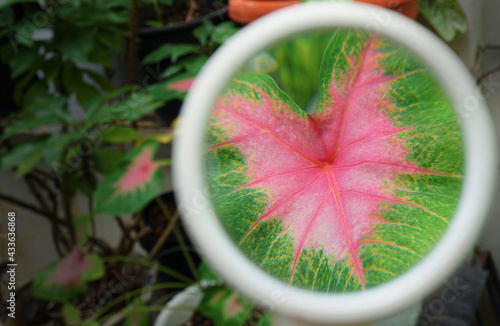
275	201
210	302
172	66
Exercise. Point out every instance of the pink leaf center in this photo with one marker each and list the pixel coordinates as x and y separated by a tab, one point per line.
70	270
140	172
182	85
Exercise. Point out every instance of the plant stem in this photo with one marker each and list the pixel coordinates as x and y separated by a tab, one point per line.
149	264
164	236
192	8
180	239
66	201
134	293
159	12
22	204
488	73
129	311
132	45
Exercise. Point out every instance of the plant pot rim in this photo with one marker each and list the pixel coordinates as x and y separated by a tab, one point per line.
246	11
182	25
388	299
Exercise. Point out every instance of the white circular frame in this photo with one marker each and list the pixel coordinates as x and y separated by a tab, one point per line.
222	254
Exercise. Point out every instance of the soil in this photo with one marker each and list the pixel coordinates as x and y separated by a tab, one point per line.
200	320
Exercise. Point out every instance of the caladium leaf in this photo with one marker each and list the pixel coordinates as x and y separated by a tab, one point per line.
68	278
225	307
350	196
174	88
130	188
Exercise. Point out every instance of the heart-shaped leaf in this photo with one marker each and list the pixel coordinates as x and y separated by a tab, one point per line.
67	279
348	197
130	188
174	88
225	307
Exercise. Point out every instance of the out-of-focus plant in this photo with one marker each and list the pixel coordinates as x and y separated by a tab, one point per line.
75	135
445	16
186	60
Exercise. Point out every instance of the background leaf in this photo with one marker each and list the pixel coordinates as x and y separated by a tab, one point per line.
67	279
130	188
121	134
170	51
225	307
446	16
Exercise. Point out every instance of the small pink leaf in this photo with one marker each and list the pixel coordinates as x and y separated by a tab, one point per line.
70	270
139	172
181	85
130	188
68	278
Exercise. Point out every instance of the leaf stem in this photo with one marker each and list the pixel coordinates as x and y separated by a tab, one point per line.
147	263
128	295
179	238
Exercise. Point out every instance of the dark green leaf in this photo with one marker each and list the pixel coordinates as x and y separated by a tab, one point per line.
107	160
100	54
25	155
8	3
40	105
170	51
133	108
19	126
6	17
72	78
74	42
121	134
71	314
57	143
207	274
203	32
52	68
101	80
154	23
222	32
22	61
113	39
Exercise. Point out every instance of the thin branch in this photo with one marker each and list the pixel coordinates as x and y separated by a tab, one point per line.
23	204
180	239
133	60
164	236
51	193
488	73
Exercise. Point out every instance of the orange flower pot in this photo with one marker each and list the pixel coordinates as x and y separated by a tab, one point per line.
246	11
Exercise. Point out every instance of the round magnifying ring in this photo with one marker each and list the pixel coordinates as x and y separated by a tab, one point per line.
209	235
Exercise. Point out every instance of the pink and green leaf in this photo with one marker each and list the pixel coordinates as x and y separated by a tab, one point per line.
173	88
68	278
225	307
352	195
135	184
